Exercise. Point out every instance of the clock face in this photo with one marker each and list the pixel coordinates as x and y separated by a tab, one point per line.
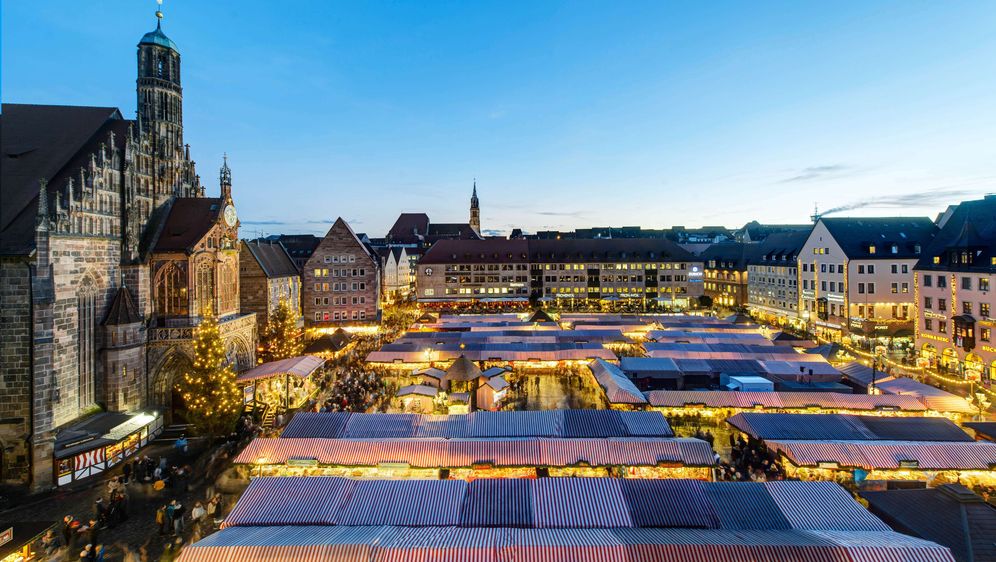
230	216
428	271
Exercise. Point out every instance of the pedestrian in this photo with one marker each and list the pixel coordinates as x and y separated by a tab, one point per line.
197	513
98	553
170	514
49	543
178	518
127	472
93	532
181	445
161	519
67	530
212	507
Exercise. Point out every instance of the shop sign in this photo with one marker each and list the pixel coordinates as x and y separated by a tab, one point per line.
302	462
828	465
669	464
989	348
7	536
909	464
394	465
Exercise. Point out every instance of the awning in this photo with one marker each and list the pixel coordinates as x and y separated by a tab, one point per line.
300	367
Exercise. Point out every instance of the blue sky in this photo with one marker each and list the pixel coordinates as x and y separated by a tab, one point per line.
569	114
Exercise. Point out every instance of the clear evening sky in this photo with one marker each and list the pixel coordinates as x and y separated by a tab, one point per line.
569	114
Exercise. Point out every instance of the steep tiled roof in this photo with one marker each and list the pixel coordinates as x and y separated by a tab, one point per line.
856	236
189	220
44	141
272	257
409	228
123	309
971	228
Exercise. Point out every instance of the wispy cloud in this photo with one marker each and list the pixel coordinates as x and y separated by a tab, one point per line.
812	173
574	214
264	223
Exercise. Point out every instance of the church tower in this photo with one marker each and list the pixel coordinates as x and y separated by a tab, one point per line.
475	211
160	105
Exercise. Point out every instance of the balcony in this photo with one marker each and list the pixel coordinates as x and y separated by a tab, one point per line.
182	330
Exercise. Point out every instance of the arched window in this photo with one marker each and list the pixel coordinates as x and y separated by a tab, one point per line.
205	287
229	288
86	318
171	291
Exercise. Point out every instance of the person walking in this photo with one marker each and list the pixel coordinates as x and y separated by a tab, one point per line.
161	519
178	518
127	472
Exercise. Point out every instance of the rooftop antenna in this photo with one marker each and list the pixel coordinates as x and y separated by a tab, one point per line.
816	213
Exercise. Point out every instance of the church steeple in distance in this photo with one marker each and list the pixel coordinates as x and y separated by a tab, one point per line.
226	179
475	210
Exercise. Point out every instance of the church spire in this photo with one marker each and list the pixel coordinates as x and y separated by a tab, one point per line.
475	210
226	178
42	219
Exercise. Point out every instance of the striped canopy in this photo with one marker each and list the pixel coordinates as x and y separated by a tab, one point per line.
454	544
589	503
300	367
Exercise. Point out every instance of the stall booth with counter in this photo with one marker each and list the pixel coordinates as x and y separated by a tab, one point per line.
281	385
18	540
871	451
100	442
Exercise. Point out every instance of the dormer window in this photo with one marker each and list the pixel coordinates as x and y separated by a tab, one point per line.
895	249
916	249
871	248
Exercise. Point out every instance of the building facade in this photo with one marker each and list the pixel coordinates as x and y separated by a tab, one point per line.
857	278
395	268
267	276
341	280
773	278
499	270
89	200
726	274
954	280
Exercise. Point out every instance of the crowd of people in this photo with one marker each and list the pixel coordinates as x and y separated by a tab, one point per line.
751	460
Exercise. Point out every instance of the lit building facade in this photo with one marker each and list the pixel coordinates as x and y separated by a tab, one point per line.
773	278
856	276
341	280
954	280
551	270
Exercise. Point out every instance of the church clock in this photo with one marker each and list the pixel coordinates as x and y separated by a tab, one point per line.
230	216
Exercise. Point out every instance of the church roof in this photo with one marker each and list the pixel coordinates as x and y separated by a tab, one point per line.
157	37
409	228
272	258
189	220
123	309
44	141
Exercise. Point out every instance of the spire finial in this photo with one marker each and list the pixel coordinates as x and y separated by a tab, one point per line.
42	219
226	172
159	12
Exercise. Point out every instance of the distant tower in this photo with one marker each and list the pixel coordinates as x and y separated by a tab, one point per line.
226	180
160	101
475	211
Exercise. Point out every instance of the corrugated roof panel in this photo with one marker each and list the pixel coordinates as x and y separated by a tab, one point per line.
562	545
380	425
668	503
290	501
838	510
449	427
321	424
571	452
646	424
744	505
498	502
636	451
617	386
579	502
547	423
441	544
592	423
404	503
497	452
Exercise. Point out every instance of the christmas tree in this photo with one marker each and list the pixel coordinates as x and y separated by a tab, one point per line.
212	398
281	336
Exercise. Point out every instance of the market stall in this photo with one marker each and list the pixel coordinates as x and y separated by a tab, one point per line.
281	385
100	442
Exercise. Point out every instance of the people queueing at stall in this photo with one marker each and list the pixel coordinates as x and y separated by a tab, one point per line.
751	461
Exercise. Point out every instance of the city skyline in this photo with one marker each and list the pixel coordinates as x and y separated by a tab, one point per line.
365	112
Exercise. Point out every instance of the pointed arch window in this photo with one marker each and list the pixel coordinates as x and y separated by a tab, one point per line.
171	291
86	318
205	287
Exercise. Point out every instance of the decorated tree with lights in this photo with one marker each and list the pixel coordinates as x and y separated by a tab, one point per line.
212	399
281	336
